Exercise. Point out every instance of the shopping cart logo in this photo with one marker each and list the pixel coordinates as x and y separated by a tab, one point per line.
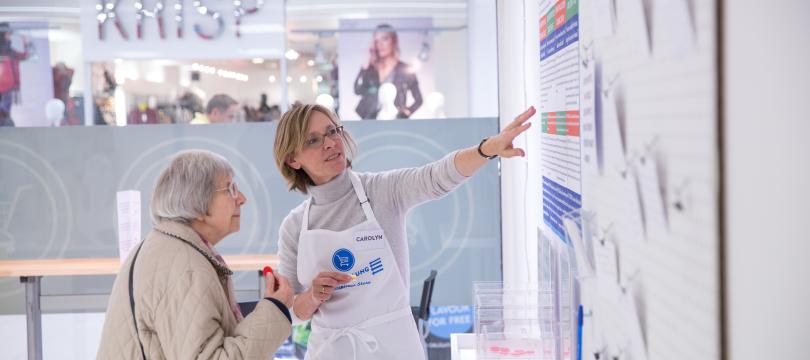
343	260
6	213
376	266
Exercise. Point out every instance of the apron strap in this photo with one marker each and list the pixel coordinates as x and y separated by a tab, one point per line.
357	332
361	195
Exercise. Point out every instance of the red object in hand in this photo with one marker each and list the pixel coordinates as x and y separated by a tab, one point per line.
266	270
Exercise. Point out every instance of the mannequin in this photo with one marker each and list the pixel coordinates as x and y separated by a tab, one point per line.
434	106
55	111
386	97
62	79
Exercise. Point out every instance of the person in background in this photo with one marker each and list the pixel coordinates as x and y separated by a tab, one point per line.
173	297
345	248
62	78
263	107
220	109
9	72
190	105
142	114
384	66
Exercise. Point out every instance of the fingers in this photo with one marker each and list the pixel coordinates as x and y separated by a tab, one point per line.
270	280
323	286
508	153
502	143
282	282
514	132
322	293
520	119
283	292
337	276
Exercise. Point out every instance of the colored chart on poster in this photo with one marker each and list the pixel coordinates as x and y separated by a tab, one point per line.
560	112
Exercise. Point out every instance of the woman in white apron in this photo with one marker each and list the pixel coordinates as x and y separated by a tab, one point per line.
344	249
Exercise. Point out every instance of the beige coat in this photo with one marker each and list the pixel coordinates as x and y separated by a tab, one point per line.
182	306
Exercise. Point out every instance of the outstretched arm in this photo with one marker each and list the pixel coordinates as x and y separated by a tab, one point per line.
468	160
412	186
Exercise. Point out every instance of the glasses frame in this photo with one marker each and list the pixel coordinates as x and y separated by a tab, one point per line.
333	133
232	189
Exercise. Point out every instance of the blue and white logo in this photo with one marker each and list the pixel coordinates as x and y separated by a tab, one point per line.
376	266
343	260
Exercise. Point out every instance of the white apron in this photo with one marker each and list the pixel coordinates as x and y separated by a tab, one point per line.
368	318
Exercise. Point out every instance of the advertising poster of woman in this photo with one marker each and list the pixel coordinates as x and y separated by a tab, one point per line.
384	68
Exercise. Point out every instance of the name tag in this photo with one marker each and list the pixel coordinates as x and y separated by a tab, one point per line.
368	240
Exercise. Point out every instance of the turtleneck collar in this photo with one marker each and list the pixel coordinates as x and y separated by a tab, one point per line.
331	191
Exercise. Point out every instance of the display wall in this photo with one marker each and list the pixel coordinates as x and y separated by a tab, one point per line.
648	151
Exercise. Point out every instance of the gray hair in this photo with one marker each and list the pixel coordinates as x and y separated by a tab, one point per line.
184	189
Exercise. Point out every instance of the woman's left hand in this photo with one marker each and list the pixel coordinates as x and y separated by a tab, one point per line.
501	144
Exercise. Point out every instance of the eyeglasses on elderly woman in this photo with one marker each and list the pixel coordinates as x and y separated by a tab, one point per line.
232	189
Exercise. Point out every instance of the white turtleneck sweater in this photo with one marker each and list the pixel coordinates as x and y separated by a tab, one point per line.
391	194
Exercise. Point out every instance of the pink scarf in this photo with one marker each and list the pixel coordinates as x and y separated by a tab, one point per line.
231	295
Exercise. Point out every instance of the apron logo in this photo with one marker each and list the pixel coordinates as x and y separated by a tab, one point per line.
376	266
343	260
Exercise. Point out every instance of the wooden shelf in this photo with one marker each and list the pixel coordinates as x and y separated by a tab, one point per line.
109	266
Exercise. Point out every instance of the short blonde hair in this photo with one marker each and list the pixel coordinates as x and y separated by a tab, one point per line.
291	133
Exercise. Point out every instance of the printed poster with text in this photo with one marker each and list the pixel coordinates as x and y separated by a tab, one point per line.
559	111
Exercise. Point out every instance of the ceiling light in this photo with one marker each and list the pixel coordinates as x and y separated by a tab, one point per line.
291	54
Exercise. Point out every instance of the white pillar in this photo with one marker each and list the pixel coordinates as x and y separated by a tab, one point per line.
518	60
767	172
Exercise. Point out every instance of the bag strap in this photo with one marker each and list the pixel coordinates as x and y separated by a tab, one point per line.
132	299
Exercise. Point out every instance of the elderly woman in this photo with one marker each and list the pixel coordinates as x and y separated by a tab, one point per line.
344	249
173	298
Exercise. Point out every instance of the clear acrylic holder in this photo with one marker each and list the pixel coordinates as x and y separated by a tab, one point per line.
514	321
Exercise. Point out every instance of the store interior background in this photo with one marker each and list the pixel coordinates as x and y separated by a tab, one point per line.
460	46
311	57
764	292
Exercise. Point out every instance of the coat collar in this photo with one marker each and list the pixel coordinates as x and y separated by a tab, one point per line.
183	232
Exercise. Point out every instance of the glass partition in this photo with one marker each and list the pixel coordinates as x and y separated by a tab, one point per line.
82	78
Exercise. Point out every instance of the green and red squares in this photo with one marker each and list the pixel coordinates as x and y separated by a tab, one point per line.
543	27
559	14
550	23
560	123
571	8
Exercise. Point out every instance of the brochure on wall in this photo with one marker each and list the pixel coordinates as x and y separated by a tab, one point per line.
559	112
589	128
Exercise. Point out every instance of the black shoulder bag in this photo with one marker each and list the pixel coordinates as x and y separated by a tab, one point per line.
132	300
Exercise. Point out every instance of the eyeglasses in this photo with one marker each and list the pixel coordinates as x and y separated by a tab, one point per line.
315	141
232	189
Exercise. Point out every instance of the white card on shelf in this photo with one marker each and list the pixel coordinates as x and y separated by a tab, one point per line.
129	221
